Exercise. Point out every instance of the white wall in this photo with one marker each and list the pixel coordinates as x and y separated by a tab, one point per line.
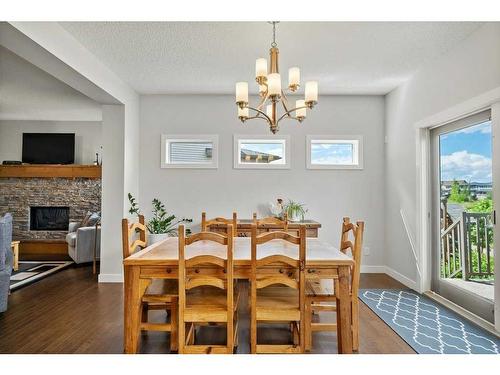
88	137
29	93
67	59
329	194
468	70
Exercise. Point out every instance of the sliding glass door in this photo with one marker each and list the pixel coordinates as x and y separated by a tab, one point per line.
463	216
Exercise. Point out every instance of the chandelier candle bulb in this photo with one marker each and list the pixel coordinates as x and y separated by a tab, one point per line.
241	93
243	113
274	84
311	92
293	78
302	112
260	68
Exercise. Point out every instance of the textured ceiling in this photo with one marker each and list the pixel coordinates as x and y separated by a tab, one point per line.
209	57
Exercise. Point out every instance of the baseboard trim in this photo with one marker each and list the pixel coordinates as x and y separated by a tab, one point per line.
110	278
373	269
401	278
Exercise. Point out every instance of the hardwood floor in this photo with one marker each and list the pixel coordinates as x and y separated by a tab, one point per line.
71	313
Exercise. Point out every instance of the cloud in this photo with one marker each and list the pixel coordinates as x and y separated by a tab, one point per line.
338	154
483	128
462	165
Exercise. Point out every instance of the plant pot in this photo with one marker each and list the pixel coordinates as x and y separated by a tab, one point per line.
295	217
153	238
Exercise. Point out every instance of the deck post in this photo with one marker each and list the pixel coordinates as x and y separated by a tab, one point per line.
464	229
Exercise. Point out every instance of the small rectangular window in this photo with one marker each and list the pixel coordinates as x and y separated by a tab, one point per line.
189	151
261	152
334	152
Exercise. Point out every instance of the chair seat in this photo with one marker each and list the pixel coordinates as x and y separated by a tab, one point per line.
322	288
278	303
207	304
161	292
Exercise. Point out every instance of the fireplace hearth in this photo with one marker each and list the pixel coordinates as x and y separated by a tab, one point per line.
49	218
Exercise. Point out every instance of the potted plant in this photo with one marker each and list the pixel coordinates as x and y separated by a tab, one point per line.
295	210
161	225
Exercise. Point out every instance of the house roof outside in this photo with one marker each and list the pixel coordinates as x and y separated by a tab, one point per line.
258	157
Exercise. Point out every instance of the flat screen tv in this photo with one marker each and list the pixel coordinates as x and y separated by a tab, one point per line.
49	148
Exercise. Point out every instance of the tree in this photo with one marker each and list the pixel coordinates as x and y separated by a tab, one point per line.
459	194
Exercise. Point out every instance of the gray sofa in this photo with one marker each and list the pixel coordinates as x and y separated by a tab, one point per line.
6	259
81	242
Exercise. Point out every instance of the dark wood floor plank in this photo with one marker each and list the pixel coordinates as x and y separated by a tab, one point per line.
71	313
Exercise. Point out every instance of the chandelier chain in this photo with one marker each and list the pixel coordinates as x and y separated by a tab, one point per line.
273	44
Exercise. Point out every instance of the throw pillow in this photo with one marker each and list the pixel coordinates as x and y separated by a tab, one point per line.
93	219
85	220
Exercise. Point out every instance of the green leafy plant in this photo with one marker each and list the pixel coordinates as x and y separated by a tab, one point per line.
295	209
482	205
161	222
459	194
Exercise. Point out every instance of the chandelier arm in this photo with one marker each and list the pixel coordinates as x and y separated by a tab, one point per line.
287	114
263	100
255	117
262	113
284	102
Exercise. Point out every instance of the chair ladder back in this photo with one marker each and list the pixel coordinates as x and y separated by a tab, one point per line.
355	245
205	224
357	253
182	286
128	231
271	220
261	280
225	282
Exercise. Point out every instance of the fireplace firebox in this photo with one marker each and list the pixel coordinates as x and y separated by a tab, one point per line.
49	218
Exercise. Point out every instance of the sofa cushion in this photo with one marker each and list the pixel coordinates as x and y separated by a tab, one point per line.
71	239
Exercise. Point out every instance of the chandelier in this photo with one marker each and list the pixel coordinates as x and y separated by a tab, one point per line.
271	93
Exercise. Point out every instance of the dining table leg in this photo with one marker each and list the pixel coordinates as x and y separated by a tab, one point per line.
344	335
132	308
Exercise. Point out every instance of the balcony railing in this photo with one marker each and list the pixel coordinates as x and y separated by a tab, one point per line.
467	248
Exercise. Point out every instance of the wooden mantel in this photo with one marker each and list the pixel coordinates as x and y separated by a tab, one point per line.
50	171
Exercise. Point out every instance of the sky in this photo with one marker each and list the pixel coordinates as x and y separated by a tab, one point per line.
466	154
331	153
321	153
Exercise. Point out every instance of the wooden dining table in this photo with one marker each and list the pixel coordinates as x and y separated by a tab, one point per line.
160	261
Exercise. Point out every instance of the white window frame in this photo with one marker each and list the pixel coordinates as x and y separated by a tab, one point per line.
171	138
355	140
272	139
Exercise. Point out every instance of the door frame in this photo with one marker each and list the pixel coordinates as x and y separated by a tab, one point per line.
488	100
470	301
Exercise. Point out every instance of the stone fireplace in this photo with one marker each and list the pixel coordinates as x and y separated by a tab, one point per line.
42	207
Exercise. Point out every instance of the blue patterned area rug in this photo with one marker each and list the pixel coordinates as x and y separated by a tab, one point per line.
428	327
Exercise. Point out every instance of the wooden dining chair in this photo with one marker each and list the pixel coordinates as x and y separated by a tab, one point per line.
134	238
277	298
321	294
272	220
205	224
207	297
